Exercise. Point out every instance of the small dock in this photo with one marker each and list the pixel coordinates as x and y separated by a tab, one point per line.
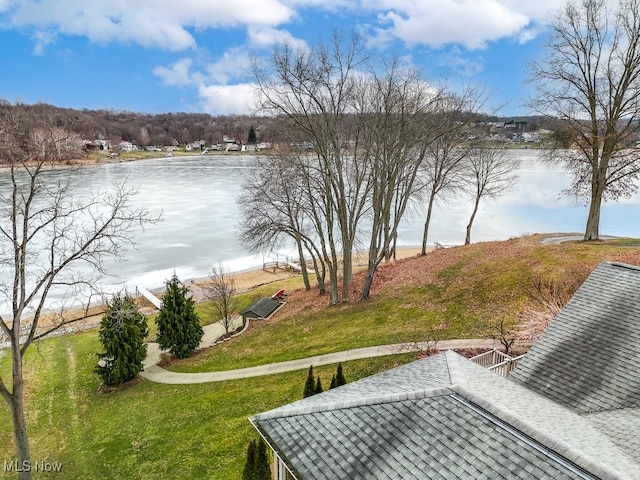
149	296
298	268
276	261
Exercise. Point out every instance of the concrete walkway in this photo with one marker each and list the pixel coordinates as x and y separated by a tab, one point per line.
158	374
212	332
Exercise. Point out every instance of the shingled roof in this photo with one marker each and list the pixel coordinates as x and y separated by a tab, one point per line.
445	417
588	359
261	308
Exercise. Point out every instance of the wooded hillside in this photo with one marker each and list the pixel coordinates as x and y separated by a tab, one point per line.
175	128
155	129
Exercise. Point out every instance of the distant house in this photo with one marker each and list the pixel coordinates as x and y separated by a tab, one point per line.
197	145
127	147
97	144
570	410
261	308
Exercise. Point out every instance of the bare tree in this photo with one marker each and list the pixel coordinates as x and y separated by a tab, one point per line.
275	207
51	239
313	90
505	334
392	108
418	337
221	292
490	173
446	149
590	79
443	172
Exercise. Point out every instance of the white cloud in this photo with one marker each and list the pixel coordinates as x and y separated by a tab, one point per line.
179	73
234	63
326	5
471	23
174	25
537	11
265	37
466	67
528	34
160	23
212	81
41	41
6	4
227	99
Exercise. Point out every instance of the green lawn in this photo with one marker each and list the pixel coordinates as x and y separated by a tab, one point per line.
149	431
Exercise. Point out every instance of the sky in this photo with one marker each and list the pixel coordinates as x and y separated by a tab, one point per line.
156	56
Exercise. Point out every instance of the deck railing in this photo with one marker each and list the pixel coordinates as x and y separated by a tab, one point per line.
496	361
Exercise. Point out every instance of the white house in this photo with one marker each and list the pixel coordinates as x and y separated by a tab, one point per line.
127	147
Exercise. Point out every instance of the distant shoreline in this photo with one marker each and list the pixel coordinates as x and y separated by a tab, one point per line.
90	161
252	277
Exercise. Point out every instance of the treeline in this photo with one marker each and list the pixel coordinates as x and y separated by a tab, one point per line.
180	128
153	129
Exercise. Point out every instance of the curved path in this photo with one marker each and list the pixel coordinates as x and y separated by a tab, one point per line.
570	238
158	374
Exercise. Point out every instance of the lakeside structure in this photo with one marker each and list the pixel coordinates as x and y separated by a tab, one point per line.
570	409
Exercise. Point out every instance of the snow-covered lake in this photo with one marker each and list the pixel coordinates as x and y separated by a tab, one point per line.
197	198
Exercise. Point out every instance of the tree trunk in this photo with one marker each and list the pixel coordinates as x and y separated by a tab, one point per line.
303	265
372	264
394	248
425	233
322	289
333	289
347	272
16	405
321	272
366	287
467	238
332	264
21	439
592	231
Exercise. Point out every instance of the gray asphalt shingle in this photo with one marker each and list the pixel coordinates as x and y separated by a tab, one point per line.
459	443
588	359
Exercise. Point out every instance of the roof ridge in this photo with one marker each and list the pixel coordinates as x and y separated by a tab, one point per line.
456	376
628	266
357	402
456	372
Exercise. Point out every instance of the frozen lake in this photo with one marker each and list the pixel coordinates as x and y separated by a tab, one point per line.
197	198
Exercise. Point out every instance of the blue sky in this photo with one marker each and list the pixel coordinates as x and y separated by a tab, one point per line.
194	55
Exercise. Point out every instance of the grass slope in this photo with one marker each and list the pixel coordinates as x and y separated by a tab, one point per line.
152	431
461	292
